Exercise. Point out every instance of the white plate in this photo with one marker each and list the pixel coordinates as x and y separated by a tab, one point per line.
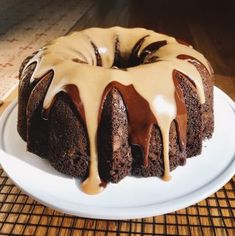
132	197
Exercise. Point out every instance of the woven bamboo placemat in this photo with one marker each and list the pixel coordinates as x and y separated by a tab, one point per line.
21	215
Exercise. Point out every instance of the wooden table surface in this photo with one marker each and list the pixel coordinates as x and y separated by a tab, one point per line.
28	25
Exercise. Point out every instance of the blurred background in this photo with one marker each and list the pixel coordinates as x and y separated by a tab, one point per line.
209	26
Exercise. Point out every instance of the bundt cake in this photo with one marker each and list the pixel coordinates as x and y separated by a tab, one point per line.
101	104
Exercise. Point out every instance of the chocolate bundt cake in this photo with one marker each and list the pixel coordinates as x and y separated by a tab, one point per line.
101	104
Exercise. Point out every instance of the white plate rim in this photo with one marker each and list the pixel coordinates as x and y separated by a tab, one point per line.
131	212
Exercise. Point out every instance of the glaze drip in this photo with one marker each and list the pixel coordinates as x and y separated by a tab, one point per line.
155	90
195	62
73	93
140	121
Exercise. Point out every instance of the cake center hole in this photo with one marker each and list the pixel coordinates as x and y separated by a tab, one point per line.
136	57
124	63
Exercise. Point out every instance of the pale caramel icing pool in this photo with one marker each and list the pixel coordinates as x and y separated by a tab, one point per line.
74	59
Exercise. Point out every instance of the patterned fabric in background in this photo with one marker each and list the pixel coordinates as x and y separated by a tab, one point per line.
22	31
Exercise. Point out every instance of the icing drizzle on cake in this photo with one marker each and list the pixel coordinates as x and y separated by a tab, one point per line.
84	64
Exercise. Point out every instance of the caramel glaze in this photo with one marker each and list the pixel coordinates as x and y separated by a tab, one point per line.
140	121
72	91
122	48
194	61
182	42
